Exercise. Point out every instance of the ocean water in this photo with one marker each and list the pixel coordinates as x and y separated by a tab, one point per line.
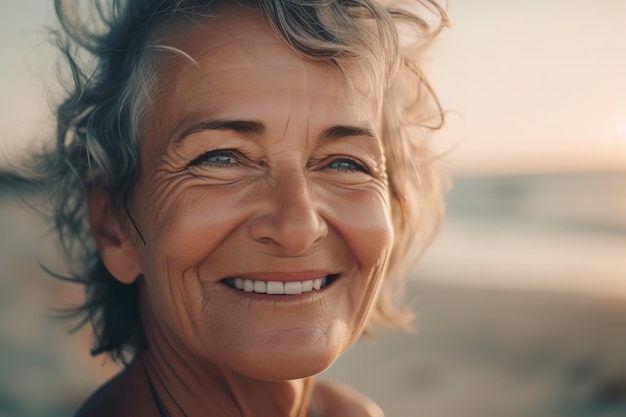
520	302
559	233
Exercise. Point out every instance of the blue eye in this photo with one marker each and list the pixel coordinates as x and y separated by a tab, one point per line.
348	165
217	158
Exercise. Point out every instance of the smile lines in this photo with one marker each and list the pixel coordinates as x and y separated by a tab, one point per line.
279	287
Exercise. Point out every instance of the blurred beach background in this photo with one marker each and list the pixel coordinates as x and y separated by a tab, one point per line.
520	301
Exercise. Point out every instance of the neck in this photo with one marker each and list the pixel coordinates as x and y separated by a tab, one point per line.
190	387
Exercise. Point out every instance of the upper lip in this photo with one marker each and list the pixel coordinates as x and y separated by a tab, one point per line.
283	276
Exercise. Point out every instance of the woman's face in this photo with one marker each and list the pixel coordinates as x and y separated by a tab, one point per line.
264	170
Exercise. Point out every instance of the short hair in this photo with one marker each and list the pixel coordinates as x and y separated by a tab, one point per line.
113	56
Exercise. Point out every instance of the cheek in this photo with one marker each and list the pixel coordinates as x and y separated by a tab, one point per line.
194	222
364	222
362	218
189	225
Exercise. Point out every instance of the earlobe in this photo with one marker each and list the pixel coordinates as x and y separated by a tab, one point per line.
117	249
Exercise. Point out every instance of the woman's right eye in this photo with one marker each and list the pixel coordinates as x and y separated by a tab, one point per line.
217	158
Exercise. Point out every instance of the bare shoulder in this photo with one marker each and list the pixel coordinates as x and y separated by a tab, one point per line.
338	400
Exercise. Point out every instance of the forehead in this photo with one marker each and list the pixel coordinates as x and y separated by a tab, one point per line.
237	54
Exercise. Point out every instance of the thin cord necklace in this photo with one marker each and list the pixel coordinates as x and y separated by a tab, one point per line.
157	400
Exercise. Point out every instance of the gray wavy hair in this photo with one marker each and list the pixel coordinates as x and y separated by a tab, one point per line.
113	56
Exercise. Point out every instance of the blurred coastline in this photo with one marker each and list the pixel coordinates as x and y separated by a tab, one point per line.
521	307
553	232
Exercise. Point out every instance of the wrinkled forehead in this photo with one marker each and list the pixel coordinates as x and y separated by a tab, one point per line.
237	39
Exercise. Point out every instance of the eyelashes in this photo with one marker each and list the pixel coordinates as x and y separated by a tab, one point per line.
225	158
218	158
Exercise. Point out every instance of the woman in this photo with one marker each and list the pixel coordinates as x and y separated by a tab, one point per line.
240	186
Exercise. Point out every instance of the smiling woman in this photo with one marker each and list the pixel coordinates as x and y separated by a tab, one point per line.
254	181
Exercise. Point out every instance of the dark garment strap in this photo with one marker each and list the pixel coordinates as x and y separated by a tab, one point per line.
157	400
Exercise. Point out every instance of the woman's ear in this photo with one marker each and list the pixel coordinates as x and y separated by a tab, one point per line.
117	249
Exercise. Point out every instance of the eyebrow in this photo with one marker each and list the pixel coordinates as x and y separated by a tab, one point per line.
336	132
256	128
246	127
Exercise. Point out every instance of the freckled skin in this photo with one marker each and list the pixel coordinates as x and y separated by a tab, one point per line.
277	202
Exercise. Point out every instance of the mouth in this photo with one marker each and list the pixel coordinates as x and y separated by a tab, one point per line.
280	287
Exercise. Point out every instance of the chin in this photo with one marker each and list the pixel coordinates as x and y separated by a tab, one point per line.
294	358
286	368
286	371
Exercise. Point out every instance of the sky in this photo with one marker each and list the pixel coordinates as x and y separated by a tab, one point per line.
535	85
528	86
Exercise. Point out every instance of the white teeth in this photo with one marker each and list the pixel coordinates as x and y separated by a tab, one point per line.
278	287
275	287
293	288
239	283
260	287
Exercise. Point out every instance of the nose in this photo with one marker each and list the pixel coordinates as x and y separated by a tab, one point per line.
290	217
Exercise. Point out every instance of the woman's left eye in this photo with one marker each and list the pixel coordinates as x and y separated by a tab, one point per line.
348	165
